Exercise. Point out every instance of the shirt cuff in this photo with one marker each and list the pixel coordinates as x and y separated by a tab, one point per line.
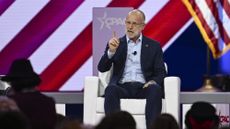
110	54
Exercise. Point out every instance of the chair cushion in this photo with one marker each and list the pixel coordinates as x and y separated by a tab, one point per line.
134	106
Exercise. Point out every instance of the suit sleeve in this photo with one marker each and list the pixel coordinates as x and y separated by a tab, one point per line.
105	63
159	68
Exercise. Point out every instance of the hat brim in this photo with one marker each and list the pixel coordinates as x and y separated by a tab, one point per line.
17	82
9	78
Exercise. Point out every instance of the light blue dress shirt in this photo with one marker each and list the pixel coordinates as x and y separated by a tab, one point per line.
132	71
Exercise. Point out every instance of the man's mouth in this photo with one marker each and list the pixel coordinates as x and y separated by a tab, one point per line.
130	31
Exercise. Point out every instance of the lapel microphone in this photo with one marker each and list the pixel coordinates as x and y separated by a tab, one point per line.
134	53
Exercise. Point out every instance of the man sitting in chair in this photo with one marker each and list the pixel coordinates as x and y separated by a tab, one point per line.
138	68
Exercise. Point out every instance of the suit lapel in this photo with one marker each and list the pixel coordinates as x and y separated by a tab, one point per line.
144	51
123	49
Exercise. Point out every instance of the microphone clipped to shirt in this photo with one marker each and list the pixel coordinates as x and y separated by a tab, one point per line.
134	53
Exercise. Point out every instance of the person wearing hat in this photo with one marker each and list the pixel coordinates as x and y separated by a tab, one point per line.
202	115
39	108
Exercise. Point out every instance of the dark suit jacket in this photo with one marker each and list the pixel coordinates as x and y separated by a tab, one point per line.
152	63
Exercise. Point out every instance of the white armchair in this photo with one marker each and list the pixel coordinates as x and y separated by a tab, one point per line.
94	103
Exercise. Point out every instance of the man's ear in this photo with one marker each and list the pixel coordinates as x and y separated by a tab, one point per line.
143	26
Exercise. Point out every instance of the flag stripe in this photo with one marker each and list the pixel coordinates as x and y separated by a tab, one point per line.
224	18
38	29
76	81
226	5
68	62
213	8
215	42
171	41
65	34
74	59
11	23
150	12
207	32
213	24
4	4
170	14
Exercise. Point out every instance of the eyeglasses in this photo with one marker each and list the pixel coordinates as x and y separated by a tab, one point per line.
133	23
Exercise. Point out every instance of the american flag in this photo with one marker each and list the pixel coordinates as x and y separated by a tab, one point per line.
212	18
56	35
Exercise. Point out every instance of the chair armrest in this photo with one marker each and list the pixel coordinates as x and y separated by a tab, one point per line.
91	85
172	95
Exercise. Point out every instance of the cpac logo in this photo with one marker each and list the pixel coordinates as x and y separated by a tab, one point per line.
224	118
108	22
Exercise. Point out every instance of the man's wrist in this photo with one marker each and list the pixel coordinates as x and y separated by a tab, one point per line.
110	54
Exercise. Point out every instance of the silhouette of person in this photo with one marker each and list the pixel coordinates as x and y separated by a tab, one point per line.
165	121
117	120
39	108
202	115
13	120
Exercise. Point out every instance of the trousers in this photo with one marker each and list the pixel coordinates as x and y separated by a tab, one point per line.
135	90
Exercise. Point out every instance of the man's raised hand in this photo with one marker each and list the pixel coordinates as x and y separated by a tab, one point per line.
113	43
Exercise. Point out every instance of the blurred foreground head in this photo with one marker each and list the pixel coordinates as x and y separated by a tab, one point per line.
117	120
202	115
7	104
165	121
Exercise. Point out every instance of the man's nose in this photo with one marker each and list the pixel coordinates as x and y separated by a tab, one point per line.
130	26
